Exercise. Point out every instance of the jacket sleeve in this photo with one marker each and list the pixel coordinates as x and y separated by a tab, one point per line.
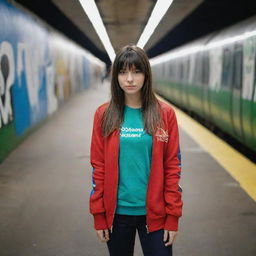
97	162
172	170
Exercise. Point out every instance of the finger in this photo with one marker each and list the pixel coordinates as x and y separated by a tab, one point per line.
170	240
174	238
165	235
106	234
100	235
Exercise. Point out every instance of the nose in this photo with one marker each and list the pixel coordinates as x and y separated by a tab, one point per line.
129	77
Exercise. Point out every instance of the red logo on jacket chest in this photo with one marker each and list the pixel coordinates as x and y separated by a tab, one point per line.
162	135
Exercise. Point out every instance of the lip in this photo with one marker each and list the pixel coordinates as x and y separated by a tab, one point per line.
130	86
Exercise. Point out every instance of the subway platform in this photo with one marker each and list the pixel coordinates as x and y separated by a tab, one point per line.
45	185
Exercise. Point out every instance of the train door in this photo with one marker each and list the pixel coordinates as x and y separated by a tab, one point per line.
187	81
198	88
249	50
236	103
205	89
225	93
182	85
253	114
214	85
254	117
179	84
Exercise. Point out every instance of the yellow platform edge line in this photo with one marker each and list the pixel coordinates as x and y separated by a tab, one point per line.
239	167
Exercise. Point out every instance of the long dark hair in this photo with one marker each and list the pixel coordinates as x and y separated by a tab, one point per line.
131	56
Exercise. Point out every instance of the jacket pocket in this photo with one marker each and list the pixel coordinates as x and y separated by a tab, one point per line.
158	209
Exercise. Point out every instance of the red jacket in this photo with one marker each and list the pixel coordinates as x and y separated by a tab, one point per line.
163	202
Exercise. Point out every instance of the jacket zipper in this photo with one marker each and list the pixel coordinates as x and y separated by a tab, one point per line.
147	229
147	226
147	221
111	228
147	208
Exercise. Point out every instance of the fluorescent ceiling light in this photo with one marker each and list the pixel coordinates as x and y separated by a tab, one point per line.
93	14
157	14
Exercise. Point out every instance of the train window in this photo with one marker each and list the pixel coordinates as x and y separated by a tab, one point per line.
181	71
187	69
171	69
174	64
206	68
163	70
238	66
198	69
175	71
227	68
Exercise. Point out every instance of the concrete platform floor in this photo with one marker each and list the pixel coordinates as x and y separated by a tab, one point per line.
45	185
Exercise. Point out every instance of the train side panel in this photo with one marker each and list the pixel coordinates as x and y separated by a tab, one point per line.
248	91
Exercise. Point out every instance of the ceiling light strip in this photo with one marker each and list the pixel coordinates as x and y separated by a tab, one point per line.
93	14
156	16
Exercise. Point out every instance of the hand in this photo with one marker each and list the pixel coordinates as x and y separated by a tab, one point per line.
103	235
169	236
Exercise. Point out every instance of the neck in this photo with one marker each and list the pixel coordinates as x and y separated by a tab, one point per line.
133	101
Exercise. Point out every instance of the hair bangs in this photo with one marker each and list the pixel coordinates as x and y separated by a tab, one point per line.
130	59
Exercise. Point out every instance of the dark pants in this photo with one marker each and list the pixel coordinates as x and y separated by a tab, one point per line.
122	238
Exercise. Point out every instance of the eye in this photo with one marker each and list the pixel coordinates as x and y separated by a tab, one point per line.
121	72
137	71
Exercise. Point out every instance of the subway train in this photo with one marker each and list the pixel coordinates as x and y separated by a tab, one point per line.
40	69
214	78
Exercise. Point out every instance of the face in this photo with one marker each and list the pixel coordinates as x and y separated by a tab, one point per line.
131	80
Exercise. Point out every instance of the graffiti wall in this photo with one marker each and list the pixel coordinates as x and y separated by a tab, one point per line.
39	70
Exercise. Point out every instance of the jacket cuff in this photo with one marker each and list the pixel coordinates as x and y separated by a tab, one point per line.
100	222
171	223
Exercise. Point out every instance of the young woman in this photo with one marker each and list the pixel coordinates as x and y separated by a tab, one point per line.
136	162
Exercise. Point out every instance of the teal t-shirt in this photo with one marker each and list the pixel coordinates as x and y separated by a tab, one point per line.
135	152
